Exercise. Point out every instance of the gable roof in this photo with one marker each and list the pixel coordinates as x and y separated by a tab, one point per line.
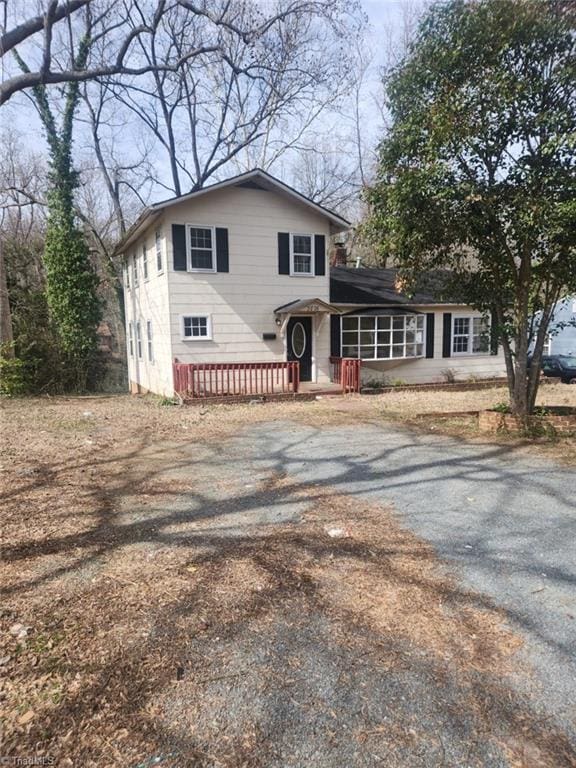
254	179
349	285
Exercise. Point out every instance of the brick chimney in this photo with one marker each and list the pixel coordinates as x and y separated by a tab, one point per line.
339	255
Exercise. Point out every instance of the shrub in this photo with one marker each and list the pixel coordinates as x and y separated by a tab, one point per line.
448	375
12	375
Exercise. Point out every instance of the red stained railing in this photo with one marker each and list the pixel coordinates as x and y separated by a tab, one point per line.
346	371
232	379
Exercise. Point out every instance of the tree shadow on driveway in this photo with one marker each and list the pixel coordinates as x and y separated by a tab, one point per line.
294	648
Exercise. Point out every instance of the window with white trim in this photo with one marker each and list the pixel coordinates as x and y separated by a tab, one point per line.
547	347
382	337
127	274
159	259
144	261
139	340
201	248
149	340
196	327
131	338
470	335
135	270
301	255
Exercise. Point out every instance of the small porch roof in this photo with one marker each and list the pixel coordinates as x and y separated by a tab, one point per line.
311	306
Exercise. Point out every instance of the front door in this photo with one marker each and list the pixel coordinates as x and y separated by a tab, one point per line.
299	345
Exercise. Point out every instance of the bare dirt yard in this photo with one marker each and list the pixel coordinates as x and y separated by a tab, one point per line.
170	600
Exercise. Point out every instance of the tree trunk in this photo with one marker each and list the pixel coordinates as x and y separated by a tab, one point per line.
6	330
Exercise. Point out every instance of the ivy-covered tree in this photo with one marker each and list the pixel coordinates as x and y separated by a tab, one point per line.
71	282
478	172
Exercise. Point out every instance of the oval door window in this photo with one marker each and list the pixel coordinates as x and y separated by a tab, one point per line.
298	339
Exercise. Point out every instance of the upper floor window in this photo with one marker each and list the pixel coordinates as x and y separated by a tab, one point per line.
470	335
127	274
135	270
144	262
302	255
196	327
201	248
382	337
159	259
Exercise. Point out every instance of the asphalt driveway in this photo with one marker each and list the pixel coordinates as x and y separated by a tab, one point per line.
507	523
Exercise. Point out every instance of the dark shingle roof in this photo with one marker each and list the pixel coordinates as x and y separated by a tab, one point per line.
377	286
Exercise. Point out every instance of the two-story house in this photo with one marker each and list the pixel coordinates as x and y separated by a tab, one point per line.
238	273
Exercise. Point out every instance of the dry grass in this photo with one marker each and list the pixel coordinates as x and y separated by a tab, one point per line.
111	611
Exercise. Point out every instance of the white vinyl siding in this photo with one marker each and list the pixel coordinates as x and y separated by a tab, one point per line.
241	303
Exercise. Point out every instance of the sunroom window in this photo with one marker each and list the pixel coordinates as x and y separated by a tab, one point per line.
382	337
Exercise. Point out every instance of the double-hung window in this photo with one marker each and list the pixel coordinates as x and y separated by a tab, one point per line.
149	340
139	340
135	269
302	255
196	327
383	337
144	262
201	249
127	274
470	335
131	338
159	260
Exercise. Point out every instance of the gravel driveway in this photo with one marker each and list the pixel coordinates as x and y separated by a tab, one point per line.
507	522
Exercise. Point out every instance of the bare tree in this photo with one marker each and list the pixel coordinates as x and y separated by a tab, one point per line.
121	30
21	209
251	96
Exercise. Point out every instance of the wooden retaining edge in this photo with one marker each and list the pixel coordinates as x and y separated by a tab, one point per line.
445	415
458	386
243	399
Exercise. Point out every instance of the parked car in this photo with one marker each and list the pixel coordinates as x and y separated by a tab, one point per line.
562	367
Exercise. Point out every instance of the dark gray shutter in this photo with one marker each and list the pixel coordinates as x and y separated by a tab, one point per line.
447	335
222	262
429	334
494	335
335	323
319	255
283	253
179	247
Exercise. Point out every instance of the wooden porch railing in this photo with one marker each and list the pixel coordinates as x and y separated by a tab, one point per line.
195	380
346	371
